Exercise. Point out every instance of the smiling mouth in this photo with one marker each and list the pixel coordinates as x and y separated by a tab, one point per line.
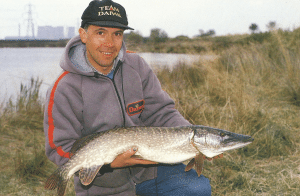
107	54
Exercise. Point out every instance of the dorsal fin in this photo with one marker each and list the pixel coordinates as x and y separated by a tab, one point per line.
82	142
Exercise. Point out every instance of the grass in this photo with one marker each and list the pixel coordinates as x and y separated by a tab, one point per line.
24	165
251	89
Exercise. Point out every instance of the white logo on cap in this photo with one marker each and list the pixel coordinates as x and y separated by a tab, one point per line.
109	11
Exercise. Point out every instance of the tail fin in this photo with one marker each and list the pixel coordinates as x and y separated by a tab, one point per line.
57	180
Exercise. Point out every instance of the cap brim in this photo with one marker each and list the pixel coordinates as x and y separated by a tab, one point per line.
109	24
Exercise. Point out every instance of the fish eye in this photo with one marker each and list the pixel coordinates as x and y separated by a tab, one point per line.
222	134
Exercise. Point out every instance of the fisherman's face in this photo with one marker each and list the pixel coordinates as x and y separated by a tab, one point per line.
103	45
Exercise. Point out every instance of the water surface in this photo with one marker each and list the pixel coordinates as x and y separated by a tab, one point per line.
21	64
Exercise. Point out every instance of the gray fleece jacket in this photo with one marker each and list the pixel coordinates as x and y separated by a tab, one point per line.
82	101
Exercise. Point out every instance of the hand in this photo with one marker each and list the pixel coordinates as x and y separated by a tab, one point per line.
216	157
125	160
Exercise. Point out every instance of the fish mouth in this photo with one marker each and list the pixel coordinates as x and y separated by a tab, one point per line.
212	153
249	139
227	145
236	145
242	139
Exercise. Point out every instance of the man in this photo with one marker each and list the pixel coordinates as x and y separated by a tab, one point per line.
97	91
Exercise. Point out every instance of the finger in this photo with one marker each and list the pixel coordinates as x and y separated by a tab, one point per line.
141	161
130	152
124	159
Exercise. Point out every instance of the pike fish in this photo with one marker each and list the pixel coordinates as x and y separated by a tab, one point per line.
169	145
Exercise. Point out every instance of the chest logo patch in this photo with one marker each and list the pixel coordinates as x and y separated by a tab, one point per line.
135	108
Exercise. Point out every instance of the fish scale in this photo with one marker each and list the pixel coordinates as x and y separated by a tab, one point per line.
168	145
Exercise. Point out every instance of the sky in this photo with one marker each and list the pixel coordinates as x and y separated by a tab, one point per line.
184	17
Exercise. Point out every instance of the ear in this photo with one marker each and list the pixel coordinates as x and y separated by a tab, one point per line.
83	35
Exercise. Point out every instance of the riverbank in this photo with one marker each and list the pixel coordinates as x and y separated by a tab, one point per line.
179	44
32	43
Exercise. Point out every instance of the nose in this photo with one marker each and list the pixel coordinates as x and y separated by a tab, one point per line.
109	41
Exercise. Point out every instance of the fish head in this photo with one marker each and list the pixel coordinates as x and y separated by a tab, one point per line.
212	142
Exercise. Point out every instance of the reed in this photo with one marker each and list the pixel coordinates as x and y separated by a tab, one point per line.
24	165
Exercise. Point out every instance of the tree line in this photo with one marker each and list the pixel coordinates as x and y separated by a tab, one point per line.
158	35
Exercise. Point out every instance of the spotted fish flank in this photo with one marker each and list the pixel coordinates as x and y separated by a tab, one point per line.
168	145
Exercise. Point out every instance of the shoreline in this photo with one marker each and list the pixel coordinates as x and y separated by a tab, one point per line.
32	43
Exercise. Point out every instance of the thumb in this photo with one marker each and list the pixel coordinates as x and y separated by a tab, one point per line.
131	152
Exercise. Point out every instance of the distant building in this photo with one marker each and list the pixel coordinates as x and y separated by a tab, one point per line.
71	32
50	33
59	33
44	32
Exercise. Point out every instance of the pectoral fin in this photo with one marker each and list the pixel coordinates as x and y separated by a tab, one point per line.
190	165
87	175
198	161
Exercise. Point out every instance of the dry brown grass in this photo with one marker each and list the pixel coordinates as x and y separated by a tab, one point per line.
248	90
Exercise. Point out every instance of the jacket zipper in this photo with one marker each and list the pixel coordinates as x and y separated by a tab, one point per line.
97	75
120	101
118	95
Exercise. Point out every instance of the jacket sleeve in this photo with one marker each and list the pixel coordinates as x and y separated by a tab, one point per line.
62	119
159	107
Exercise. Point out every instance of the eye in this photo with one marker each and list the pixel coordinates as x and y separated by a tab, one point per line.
222	134
100	33
118	34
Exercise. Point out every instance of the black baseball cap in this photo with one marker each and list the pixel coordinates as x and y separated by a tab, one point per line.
105	13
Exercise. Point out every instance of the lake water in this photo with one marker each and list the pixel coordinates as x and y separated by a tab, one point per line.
21	64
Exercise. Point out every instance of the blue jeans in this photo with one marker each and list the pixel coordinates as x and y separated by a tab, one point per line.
172	180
